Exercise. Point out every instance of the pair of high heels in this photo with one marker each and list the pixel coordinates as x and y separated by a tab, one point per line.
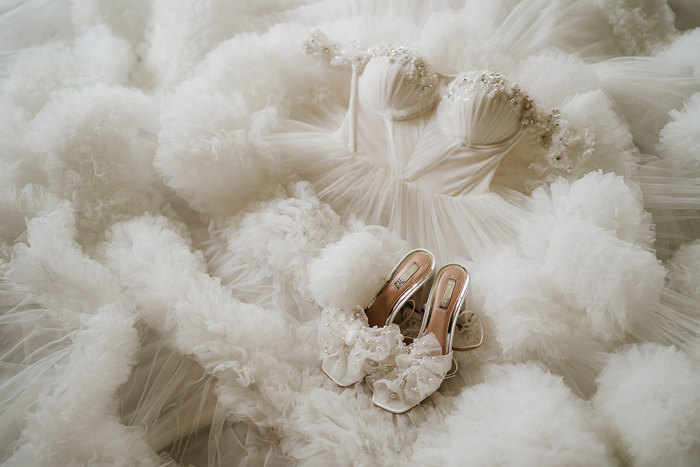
366	343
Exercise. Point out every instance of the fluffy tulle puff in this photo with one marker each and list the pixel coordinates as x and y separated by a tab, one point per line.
94	146
181	35
679	140
685	47
600	199
75	418
544	75
274	240
591	237
351	271
522	415
212	145
649	395
529	319
17	206
96	56
578	277
205	153
684	270
593	113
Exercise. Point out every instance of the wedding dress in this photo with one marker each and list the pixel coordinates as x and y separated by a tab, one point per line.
464	162
185	187
416	162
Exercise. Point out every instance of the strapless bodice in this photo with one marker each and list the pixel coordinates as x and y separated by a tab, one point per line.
390	105
453	149
398	88
478	121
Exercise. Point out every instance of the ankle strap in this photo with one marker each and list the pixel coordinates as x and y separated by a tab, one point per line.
481	339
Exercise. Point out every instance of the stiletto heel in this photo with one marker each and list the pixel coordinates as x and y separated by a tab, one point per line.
360	341
423	365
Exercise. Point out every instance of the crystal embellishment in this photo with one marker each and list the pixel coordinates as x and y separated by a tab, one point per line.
417	68
565	149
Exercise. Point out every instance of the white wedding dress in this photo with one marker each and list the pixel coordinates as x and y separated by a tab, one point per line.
186	186
425	169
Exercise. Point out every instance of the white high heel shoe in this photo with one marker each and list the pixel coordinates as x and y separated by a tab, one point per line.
361	341
421	367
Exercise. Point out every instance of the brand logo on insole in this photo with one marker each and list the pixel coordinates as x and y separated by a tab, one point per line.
447	295
406	275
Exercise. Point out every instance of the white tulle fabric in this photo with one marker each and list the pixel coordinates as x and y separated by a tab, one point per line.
154	296
418	372
352	349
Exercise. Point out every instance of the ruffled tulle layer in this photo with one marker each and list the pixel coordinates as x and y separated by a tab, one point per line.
451	227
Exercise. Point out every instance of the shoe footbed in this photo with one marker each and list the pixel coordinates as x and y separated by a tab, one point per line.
379	311
439	320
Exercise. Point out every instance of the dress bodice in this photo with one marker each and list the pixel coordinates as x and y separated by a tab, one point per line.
476	124
454	150
396	120
390	103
